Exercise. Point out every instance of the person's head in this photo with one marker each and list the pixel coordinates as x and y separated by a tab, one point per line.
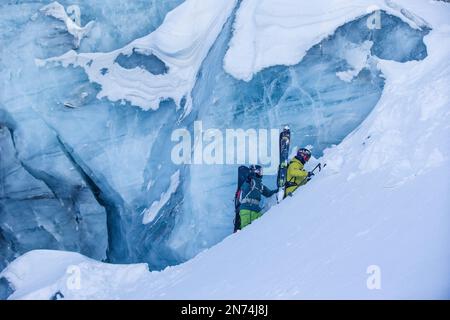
256	170
303	155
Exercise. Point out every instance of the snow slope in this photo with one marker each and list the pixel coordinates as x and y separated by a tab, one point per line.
382	200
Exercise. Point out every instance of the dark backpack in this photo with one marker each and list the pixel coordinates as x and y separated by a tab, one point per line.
243	174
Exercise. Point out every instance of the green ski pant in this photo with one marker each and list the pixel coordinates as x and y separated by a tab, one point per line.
248	216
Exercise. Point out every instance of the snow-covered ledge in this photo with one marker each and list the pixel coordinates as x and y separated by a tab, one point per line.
274	32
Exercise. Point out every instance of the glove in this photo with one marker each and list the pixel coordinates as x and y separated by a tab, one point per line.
311	174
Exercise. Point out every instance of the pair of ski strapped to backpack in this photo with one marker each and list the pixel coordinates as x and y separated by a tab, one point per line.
243	173
285	142
283	184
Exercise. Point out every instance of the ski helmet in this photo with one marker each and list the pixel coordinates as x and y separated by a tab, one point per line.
257	170
304	154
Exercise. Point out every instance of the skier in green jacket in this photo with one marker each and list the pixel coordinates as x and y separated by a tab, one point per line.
250	196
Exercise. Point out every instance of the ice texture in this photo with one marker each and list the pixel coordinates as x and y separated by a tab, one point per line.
50	196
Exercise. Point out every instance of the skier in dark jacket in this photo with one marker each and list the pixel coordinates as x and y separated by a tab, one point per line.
250	196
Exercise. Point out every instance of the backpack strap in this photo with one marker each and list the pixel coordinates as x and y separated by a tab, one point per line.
252	188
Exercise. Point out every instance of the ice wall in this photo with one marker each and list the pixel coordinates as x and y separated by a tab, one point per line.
59	144
323	99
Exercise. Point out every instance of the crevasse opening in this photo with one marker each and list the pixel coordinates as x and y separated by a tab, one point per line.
91	167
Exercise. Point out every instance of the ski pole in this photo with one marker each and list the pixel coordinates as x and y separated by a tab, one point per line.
320	167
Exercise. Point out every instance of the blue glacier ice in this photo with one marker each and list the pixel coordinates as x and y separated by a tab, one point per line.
150	63
49	197
76	172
